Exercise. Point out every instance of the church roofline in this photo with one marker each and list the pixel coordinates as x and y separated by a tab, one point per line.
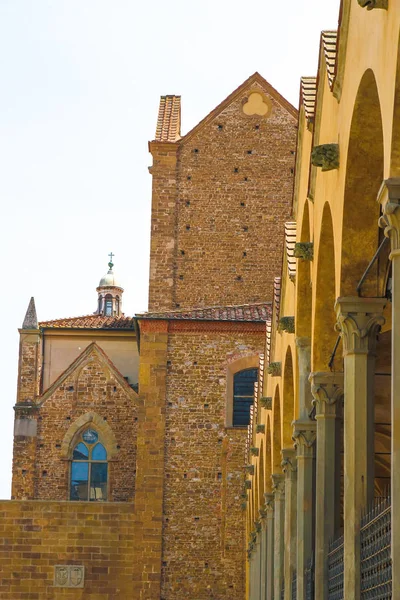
255	78
245	313
95	321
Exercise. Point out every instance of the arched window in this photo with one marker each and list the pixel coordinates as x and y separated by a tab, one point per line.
243	396
89	469
109	306
117	305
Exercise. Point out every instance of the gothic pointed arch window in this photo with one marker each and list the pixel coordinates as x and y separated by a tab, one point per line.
89	468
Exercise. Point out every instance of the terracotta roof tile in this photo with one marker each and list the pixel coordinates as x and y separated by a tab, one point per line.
246	312
90	322
290	241
308	92
329	43
277	297
169	119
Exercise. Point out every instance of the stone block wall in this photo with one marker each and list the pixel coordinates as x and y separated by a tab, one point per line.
203	523
220	213
35	536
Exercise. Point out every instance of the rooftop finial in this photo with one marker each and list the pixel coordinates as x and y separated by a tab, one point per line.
111	264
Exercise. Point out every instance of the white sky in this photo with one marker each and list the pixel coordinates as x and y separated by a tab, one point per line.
80	83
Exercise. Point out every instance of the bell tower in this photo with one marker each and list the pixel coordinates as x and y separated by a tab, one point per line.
110	294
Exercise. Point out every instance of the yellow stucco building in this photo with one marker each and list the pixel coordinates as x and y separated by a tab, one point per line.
322	483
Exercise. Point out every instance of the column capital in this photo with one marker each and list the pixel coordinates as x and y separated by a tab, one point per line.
327	389
278	485
389	199
288	463
269	502
303	342
359	321
304	435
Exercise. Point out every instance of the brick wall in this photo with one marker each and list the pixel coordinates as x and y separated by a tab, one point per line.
35	536
220	213
203	536
90	388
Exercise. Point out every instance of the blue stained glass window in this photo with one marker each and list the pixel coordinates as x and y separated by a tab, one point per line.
90	436
99	452
98	482
243	396
79	480
81	452
89	469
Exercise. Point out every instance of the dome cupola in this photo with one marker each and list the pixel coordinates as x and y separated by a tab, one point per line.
110	293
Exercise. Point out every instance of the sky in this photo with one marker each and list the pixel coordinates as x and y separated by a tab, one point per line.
80	84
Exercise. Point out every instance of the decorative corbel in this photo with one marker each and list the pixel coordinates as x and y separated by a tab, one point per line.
304	250
260	428
371	4
254	451
325	156
275	369
286	324
266	402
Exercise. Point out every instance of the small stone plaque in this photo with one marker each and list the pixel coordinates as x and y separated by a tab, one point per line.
71	576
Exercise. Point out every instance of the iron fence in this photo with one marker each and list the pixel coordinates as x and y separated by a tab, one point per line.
376	564
335	569
294	586
309	579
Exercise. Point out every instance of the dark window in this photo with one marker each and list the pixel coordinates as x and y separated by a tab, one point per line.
243	396
89	469
109	306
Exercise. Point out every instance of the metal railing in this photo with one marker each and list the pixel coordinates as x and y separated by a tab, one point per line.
376	564
335	569
294	586
309	579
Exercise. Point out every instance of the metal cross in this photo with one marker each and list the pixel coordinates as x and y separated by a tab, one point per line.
111	264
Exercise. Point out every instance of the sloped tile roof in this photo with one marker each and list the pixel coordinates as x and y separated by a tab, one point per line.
329	44
277	297
90	322
246	312
308	93
268	342
290	240
169	119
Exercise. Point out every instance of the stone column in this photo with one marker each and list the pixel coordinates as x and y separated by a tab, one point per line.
359	320
327	390
304	365
289	470
278	486
269	506
304	438
389	198
263	557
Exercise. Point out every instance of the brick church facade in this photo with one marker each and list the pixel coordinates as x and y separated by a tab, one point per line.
130	432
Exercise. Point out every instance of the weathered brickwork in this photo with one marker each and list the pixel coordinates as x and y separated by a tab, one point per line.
90	388
35	536
220	212
203	537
